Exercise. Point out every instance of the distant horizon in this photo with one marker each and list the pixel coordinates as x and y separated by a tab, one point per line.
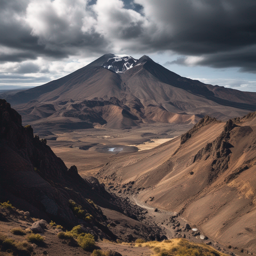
32	85
213	42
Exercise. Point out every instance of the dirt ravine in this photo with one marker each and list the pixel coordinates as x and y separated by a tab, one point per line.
174	226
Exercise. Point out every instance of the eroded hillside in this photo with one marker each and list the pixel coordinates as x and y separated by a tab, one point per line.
207	175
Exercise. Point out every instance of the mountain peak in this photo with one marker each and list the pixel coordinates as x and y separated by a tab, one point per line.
144	58
119	64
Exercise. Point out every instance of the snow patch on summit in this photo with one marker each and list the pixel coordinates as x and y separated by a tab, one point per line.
120	64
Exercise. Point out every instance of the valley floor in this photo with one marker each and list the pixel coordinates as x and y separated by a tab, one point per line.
90	149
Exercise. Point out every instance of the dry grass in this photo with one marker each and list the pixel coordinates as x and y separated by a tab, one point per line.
65	235
103	253
36	239
180	247
84	240
18	232
7	205
14	247
140	241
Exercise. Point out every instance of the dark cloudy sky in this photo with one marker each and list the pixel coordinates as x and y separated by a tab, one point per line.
210	40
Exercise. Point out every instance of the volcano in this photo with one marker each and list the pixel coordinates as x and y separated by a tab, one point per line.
122	92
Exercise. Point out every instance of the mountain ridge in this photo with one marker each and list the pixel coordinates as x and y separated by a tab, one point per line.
139	86
206	176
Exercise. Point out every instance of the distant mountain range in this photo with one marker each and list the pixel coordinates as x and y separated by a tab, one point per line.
121	92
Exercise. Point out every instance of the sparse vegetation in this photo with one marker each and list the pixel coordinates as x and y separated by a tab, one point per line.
59	227
8	244
88	217
24	246
14	247
65	235
181	247
7	205
18	232
140	241
77	230
79	211
53	224
97	253
103	253
92	203
36	239
86	241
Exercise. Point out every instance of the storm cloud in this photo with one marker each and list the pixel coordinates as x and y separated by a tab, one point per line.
218	34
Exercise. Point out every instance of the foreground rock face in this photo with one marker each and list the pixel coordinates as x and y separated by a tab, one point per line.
34	179
206	176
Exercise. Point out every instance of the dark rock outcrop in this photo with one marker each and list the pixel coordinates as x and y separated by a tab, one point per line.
204	121
34	179
219	150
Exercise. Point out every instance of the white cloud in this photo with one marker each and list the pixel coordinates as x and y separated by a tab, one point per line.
238	84
63	23
193	60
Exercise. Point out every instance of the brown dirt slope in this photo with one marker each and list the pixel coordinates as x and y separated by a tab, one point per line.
34	179
207	175
145	93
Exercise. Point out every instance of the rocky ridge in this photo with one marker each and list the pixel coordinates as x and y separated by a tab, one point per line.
35	180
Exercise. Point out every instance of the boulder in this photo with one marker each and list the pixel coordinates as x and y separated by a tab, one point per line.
39	226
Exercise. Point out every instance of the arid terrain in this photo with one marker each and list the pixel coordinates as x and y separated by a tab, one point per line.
206	176
42	187
127	154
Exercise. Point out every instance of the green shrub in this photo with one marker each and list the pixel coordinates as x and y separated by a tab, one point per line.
86	241
65	235
97	253
18	232
8	244
36	239
7	205
88	217
79	211
59	227
53	224
14	247
77	230
24	248
140	241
